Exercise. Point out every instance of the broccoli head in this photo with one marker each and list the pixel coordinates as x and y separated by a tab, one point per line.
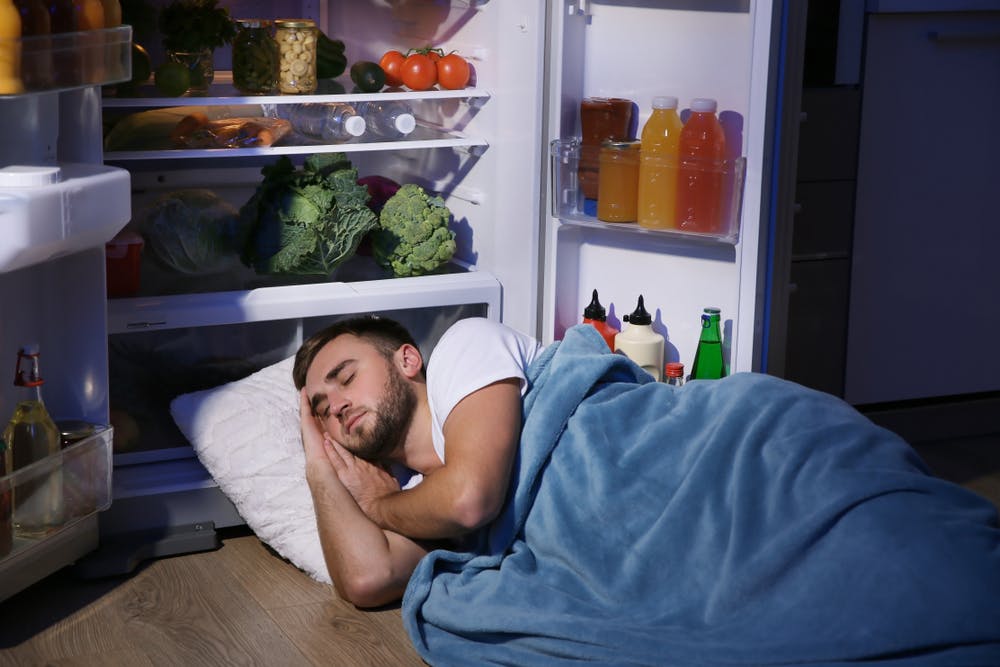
413	236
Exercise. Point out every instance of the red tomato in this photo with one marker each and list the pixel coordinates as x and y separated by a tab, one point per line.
391	64
418	72
453	72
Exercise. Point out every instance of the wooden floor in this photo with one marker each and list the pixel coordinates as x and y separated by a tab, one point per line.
238	605
243	605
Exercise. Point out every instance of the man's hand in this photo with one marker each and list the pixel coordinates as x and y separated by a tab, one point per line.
367	482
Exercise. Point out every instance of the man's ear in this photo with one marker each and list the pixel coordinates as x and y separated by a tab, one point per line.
408	360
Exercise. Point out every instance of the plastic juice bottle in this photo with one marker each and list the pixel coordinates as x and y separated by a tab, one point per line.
702	149
597	316
640	343
658	165
10	49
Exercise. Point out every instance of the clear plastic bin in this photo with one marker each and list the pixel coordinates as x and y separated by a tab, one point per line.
71	60
80	473
570	206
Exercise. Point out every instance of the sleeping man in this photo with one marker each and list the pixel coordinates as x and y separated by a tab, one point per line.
565	507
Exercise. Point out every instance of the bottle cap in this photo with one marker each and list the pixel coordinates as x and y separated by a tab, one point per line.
674	369
639	315
405	123
703	105
355	126
595	311
712	311
29	176
665	102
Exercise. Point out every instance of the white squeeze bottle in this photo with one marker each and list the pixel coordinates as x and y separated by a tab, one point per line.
640	343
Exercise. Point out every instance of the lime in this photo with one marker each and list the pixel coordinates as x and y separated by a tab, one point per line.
172	79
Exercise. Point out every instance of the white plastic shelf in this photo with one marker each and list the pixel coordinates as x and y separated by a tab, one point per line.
300	301
84	207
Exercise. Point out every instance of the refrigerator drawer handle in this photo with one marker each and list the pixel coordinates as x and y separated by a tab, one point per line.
952	37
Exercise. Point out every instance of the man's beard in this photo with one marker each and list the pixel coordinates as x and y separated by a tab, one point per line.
392	420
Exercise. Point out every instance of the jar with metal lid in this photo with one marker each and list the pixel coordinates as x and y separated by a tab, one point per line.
296	40
618	182
255	57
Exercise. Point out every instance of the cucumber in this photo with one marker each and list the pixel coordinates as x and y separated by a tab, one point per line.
330	59
367	76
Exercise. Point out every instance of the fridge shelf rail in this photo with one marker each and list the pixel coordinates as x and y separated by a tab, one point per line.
570	207
221	92
296	301
80	476
66	61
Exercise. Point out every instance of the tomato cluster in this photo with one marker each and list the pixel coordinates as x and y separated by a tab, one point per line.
421	69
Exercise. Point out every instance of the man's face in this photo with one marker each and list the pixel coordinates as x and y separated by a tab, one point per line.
359	397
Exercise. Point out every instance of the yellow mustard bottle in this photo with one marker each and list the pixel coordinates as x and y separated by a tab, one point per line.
10	49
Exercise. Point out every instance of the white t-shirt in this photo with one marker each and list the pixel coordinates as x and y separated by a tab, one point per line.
472	354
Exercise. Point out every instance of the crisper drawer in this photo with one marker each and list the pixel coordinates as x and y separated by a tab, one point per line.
69	488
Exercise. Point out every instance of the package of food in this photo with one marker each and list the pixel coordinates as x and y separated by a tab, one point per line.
197	131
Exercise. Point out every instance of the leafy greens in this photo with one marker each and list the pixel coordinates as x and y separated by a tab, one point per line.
308	220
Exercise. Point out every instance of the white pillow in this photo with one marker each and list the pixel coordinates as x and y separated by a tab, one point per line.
246	434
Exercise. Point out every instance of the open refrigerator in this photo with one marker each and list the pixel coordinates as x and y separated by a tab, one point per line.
529	253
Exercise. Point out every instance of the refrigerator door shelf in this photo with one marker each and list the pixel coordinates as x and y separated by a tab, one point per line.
571	208
83	209
66	61
297	301
82	474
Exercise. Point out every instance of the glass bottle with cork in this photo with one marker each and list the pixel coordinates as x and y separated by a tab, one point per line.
708	361
32	436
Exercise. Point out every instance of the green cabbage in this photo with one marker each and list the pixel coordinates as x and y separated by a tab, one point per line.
192	231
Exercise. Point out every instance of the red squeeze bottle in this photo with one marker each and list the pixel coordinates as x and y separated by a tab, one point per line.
595	315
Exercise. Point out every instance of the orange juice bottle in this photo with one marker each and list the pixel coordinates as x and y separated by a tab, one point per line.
10	49
702	150
658	165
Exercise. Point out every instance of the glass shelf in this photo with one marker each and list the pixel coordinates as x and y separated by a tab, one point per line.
222	92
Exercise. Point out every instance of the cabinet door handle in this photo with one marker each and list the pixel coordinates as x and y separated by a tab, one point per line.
936	36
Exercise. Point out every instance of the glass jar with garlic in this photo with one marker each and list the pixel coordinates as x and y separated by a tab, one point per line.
297	48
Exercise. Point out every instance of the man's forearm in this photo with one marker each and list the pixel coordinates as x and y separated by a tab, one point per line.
358	553
440	507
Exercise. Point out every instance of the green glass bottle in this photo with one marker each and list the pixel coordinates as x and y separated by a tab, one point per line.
708	361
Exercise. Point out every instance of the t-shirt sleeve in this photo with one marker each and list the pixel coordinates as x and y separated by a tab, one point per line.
472	354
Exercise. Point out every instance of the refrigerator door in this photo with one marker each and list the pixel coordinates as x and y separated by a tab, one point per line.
58	207
639	50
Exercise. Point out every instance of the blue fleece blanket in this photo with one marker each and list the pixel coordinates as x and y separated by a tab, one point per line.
746	521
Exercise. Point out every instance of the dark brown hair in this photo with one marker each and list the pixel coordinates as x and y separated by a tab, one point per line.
385	334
